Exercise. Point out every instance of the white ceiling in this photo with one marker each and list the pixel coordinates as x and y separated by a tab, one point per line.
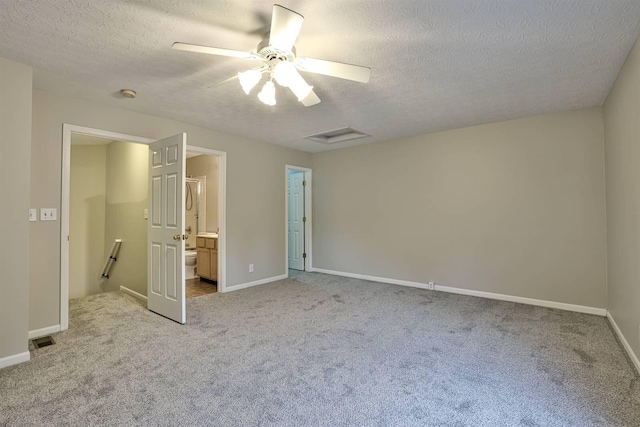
436	65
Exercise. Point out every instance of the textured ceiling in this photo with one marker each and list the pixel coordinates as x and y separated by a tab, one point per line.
436	65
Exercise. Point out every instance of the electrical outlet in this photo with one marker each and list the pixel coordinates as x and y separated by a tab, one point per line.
432	286
33	215
250	268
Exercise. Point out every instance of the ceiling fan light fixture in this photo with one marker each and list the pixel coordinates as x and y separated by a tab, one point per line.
268	93
249	79
286	75
279	58
300	89
283	73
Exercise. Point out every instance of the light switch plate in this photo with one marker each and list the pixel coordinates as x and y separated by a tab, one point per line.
48	214
146	214
33	214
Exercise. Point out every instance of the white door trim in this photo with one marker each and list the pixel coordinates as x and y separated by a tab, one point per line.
222	211
308	265
67	130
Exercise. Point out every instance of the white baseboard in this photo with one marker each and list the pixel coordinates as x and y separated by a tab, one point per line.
481	294
530	301
256	283
37	333
133	293
15	359
624	342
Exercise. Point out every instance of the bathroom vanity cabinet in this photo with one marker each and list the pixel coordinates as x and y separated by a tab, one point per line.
207	266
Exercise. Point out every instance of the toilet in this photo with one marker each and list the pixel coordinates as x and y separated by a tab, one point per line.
190	260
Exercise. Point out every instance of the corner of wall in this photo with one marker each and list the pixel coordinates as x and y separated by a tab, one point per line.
621	144
16	84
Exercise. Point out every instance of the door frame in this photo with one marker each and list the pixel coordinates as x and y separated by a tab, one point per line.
308	265
222	210
67	131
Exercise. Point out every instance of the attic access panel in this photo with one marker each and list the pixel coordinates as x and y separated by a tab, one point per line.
337	135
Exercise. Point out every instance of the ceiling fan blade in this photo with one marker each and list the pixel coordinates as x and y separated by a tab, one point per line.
285	26
311	99
357	73
214	50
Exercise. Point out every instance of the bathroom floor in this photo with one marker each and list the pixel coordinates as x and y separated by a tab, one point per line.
198	288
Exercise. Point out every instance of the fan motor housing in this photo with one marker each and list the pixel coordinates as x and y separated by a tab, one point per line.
269	53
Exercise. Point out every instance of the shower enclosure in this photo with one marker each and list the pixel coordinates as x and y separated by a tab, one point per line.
195	209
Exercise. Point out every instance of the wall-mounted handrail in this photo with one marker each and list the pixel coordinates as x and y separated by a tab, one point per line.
112	258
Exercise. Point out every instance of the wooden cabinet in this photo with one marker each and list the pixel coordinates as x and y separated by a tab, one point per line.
204	263
207	266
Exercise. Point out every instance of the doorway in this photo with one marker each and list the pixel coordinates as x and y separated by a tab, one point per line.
298	207
202	224
108	198
72	130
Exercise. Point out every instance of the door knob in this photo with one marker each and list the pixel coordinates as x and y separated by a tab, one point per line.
180	237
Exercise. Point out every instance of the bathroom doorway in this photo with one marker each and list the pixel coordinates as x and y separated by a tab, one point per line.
202	226
123	186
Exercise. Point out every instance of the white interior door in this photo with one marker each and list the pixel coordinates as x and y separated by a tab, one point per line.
295	223
165	244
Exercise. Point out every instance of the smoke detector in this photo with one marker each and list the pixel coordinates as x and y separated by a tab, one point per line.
128	93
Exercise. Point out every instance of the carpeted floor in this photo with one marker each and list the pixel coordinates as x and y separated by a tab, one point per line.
318	350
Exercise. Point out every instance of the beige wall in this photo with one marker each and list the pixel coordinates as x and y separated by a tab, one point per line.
622	153
15	152
87	219
207	166
514	208
255	192
126	199
109	187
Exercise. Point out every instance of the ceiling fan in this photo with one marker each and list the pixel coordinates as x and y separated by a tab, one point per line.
280	63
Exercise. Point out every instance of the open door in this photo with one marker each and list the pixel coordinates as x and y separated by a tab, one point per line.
165	238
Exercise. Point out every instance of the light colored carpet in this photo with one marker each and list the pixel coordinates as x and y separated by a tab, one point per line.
322	350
